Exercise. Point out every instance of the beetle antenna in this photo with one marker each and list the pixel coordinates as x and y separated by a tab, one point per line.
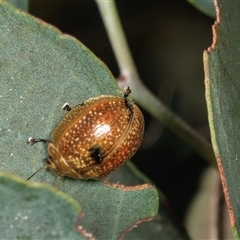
66	107
129	104
43	167
126	91
33	140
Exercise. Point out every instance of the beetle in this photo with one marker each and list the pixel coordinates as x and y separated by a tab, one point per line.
95	137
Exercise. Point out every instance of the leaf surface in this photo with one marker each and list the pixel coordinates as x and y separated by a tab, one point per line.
222	75
35	211
40	70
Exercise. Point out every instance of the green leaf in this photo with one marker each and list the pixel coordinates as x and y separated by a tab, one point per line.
164	226
222	61
21	4
40	70
35	211
206	7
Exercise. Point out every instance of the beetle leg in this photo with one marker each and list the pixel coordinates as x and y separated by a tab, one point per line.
58	182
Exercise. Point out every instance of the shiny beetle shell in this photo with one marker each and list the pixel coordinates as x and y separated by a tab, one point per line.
96	137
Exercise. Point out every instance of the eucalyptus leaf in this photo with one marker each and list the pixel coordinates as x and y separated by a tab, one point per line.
21	4
221	62
40	70
34	211
206	7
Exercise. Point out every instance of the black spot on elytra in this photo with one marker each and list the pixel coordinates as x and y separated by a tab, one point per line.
95	153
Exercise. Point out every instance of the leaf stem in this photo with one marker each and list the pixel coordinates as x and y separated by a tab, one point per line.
130	77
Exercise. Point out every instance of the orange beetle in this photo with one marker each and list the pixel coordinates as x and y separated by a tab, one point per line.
95	137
